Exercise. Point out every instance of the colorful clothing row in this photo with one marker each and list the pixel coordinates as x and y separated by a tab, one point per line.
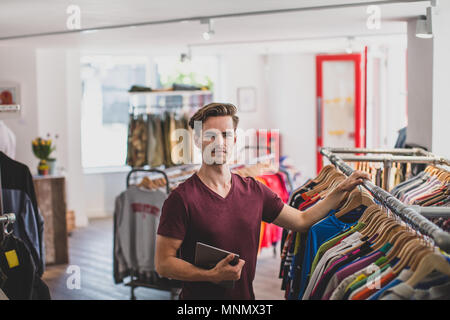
424	190
270	233
334	260
151	139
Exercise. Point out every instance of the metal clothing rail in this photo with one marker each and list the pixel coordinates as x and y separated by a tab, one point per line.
415	155
432	212
391	158
407	214
412	151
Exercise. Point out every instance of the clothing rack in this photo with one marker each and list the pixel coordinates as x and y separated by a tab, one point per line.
149	170
189	167
134	282
415	155
136	108
407	214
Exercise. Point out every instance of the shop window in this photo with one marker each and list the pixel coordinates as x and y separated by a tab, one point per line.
105	107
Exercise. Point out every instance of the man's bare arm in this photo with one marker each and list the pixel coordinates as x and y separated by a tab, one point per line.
169	266
300	221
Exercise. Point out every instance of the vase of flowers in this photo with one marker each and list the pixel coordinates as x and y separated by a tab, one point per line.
42	149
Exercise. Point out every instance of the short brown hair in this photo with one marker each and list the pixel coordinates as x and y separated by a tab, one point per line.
215	110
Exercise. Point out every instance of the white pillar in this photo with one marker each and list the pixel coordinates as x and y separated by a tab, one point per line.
420	88
441	79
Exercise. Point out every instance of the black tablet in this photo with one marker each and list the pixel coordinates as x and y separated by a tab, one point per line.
206	257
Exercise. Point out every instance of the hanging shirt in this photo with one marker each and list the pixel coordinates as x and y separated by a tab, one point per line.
320	232
136	218
330	243
349	242
403	291
17	176
338	293
25	227
22	281
359	285
397	189
352	268
321	286
377	284
195	213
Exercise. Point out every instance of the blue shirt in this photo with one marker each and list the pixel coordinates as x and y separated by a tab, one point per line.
319	233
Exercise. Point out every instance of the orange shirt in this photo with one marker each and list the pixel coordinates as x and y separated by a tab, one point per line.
367	292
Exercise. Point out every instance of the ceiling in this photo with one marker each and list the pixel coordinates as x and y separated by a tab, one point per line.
20	18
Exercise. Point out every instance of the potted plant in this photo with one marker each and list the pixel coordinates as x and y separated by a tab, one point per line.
42	149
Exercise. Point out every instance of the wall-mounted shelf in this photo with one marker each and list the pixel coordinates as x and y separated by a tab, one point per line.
172	93
9	111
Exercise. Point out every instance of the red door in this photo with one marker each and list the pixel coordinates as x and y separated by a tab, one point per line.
341	107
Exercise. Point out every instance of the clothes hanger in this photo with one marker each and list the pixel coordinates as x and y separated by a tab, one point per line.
374	217
333	185
404	253
399	241
397	245
368	214
324	184
375	212
367	217
372	228
315	180
386	232
325	170
411	248
418	258
356	200
376	227
431	262
428	169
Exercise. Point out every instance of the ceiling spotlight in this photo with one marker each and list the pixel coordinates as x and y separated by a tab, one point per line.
424	26
208	34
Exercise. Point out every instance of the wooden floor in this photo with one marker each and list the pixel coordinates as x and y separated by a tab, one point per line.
91	249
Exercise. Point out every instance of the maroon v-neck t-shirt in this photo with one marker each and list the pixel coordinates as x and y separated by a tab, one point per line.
193	212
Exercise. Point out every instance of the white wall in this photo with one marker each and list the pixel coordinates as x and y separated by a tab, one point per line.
19	65
441	72
420	88
59	96
51	100
285	87
396	97
428	70
291	107
75	185
244	70
101	192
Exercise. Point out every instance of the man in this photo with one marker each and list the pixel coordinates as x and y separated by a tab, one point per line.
225	210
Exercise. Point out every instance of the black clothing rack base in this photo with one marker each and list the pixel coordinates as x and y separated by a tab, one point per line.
407	214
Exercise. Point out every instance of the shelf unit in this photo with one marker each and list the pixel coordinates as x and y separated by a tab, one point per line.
146	101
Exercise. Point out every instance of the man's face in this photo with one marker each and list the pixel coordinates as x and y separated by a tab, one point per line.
218	139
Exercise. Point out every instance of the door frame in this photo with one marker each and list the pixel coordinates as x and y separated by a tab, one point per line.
359	60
